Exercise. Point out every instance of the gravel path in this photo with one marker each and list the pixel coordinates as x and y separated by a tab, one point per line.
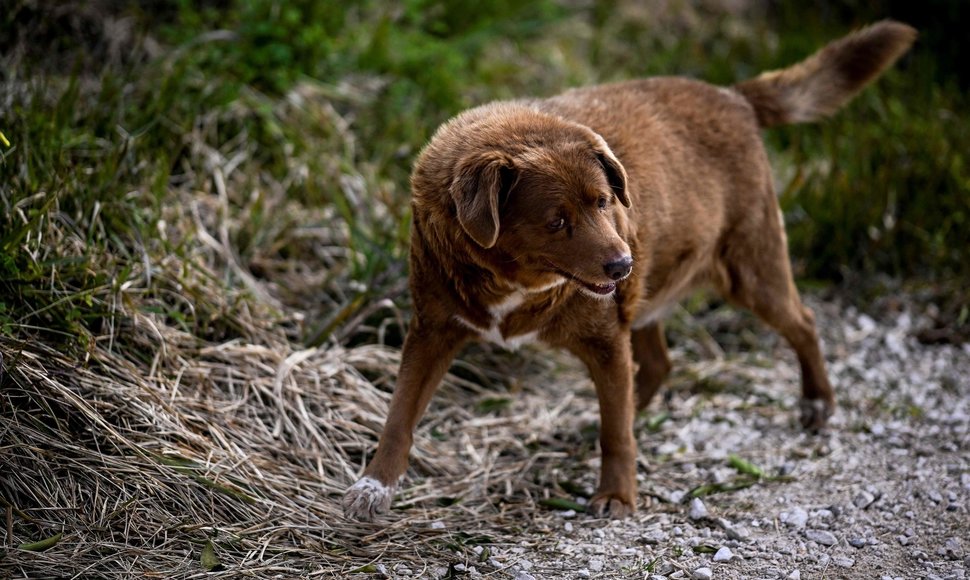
883	493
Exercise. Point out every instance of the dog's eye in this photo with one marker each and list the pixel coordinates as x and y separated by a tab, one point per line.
602	203
557	224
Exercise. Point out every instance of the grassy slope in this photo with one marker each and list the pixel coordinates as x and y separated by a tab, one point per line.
192	177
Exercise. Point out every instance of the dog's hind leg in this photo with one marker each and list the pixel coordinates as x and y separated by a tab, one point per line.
426	357
650	354
758	277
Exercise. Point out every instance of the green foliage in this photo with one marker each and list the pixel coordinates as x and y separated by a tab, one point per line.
883	186
217	141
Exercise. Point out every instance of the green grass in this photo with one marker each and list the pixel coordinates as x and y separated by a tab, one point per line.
228	145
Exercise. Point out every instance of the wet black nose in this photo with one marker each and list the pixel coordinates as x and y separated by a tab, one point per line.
619	269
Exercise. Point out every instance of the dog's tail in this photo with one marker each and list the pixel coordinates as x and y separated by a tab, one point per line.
819	85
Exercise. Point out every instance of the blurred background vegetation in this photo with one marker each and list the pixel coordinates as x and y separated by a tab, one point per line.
229	164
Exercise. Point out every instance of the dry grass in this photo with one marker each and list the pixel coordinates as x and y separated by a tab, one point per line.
250	443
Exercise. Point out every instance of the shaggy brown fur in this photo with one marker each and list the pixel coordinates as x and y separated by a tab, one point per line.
581	219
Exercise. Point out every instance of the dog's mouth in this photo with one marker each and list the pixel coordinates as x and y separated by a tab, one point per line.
598	289
601	289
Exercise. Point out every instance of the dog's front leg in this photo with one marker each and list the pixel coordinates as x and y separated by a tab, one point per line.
427	354
611	368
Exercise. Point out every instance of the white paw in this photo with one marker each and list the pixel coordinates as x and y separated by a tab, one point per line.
367	498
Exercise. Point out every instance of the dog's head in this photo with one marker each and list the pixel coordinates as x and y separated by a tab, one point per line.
546	197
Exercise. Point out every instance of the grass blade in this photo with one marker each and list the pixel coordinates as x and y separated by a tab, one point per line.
745	467
41	545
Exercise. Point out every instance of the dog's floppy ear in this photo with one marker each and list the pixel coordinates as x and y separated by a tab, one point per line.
481	182
615	174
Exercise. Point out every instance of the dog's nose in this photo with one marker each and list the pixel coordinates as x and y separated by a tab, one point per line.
619	269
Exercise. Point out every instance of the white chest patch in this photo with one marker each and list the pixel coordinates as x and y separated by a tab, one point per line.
499	311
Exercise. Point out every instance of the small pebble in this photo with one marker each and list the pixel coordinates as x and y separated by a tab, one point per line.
724	554
824	515
702	573
863	499
821	537
698	510
595	565
795	575
584	573
523	575
952	549
857	542
734	532
664	568
795	517
843	562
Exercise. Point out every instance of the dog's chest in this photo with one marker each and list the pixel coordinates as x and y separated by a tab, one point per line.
511	324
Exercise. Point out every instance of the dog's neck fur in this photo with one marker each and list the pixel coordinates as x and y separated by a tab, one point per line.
481	295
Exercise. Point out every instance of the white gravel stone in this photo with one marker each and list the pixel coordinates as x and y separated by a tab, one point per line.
702	573
698	510
843	562
723	554
734	531
795	517
822	537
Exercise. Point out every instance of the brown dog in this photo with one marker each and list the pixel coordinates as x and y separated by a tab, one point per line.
581	219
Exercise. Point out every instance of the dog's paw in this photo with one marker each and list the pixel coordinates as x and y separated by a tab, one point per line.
367	498
815	413
611	505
